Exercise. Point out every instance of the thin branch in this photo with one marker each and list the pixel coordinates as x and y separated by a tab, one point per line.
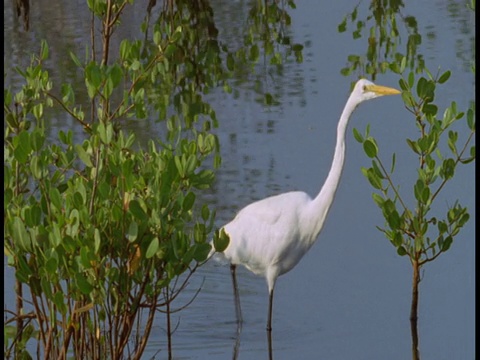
397	194
64	107
457	160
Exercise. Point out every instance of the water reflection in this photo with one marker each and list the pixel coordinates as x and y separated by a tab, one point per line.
236	346
382	25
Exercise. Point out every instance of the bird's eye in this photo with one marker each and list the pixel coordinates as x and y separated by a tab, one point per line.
364	88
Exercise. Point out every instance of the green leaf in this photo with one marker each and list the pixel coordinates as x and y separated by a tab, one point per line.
448	169
82	154
393	163
199	233
411	80
452	139
425	196
116	75
377	170
43	50
394	220
401	251
403	85
105	131
136	209
414	146
268	99
93	75
358	136
418	188
75	59
422	87
37	111
58	300
403	64
444	77
125	47
169	51
419	242
132	231
85	257
46	287
346	71
254	53
34	216
108	88
430	109
342	27
370	148
190	164
205	212
372	178
83	284
54	235
397	239
471	119
37	140
97	240
408	99
20	235
390	214
22	148
463	219
201	252
447	243
9	331
353	58
36	167
180	165
442	227
221	240
56	198
51	265
378	199
297	47
188	201
152	248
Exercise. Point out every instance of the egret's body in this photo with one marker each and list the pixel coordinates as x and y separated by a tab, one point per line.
270	236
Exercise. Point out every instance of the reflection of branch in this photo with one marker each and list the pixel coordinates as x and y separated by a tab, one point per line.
23	6
384	38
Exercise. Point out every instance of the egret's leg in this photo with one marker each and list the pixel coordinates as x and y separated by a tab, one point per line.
238	309
270	345
270	306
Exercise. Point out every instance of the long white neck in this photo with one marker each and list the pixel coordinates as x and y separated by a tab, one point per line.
322	202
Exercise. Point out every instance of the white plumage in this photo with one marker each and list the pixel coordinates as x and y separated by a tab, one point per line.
270	236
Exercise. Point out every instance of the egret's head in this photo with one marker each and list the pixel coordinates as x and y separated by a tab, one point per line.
366	90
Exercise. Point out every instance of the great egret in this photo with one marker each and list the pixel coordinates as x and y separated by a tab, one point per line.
270	236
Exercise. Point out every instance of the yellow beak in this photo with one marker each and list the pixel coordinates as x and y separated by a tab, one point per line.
382	90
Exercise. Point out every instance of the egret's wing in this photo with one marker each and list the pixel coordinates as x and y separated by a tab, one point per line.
260	233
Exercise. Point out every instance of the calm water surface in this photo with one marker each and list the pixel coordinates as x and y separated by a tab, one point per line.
349	298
